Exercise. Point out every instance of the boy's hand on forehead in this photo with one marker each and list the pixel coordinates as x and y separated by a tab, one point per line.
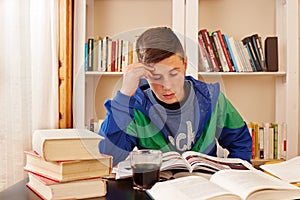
132	75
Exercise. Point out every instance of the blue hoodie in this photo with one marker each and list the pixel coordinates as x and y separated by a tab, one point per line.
139	121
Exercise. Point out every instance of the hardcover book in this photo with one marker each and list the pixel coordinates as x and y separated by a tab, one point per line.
271	53
215	50
256	41
232	56
66	144
62	171
241	52
81	189
235	51
225	51
220	51
100	49
90	54
204	59
254	60
209	49
95	55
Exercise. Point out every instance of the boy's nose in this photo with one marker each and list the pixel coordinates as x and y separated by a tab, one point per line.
167	84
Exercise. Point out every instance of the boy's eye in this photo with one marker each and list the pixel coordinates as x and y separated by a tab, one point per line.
174	73
156	77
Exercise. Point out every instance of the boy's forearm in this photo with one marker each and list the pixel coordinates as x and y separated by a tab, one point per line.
117	142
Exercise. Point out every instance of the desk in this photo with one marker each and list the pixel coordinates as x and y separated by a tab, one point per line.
121	189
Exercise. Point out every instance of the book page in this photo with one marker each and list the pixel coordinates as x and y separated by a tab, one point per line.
199	160
123	170
189	161
66	134
190	187
287	170
170	160
173	174
173	160
246	183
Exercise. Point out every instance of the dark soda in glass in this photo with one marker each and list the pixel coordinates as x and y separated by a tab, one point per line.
145	175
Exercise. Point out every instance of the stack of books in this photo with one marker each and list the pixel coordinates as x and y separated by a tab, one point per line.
66	164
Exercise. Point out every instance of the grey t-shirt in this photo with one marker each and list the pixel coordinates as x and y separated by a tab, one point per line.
181	123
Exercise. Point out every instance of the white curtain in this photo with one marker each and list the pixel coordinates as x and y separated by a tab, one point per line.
28	79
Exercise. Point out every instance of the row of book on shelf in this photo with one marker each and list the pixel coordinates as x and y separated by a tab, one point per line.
217	53
66	164
108	55
269	140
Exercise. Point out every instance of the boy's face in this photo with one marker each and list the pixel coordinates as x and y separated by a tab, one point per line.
167	82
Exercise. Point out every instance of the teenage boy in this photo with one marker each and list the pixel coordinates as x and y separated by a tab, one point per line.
158	107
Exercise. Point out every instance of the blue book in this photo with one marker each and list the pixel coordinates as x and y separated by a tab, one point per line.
86	56
251	57
230	52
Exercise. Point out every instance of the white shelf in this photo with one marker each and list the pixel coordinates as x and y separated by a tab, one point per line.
104	73
274	74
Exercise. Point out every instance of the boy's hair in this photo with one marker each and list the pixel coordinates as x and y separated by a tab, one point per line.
156	44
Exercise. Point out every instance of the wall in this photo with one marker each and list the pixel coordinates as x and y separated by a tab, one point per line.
299	70
114	17
240	19
117	17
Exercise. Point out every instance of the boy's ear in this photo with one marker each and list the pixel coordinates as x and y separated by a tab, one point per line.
185	63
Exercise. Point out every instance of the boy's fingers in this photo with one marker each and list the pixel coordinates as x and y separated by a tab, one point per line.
148	67
148	74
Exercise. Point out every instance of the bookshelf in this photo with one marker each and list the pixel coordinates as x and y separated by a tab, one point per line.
120	19
259	96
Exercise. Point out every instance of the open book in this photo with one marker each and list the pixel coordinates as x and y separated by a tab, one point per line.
190	161
288	170
225	184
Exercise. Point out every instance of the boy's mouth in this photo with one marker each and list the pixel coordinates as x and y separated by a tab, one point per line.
169	96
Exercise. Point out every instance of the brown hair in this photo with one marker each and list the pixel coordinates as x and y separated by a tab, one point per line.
156	44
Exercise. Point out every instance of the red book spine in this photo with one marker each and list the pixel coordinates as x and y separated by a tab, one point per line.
253	143
225	50
209	49
113	56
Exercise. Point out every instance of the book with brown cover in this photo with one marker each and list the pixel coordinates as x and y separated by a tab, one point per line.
205	64
209	48
81	189
224	48
66	144
225	67
215	49
271	53
62	171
